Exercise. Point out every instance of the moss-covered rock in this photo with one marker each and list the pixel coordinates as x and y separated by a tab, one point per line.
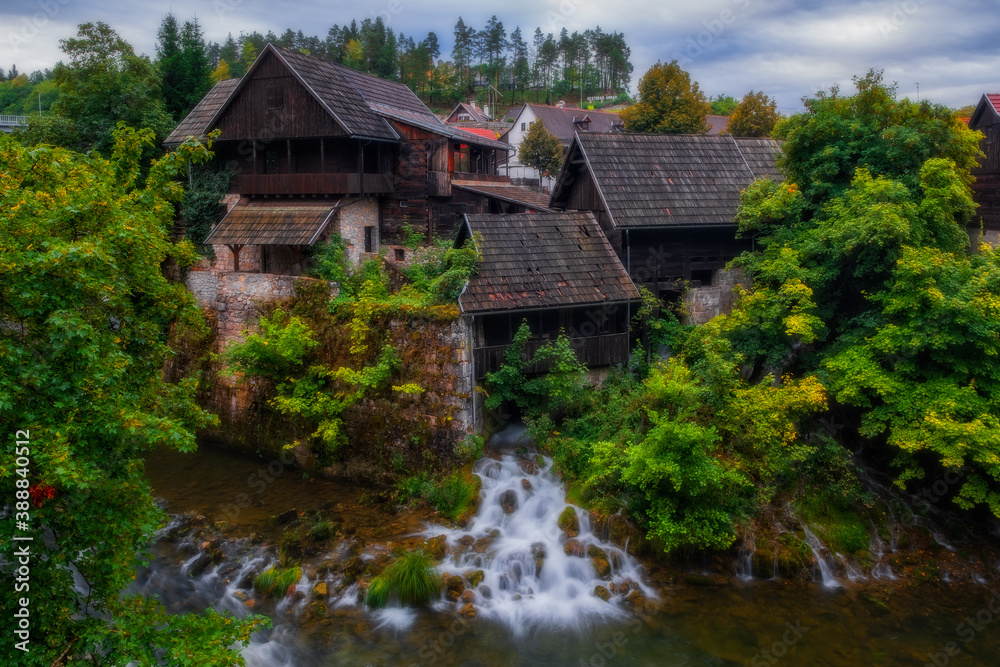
569	523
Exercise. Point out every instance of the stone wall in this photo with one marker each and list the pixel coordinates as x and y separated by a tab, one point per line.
703	303
350	224
435	354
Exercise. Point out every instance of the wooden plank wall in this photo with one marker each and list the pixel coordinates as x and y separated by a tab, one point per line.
249	115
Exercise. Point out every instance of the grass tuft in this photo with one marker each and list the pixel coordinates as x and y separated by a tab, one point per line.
276	580
409	579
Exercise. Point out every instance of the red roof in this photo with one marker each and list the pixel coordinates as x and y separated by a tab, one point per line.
994	99
481	131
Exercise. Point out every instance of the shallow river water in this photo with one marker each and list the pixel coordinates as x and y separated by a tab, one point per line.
544	617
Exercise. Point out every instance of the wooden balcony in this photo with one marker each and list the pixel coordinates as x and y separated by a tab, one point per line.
313	184
593	351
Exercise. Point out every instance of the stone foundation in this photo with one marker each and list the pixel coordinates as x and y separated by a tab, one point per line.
701	304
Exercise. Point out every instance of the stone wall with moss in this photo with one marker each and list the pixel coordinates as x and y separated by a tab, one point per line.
387	432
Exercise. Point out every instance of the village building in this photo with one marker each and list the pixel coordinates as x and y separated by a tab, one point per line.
986	189
561	121
558	273
667	205
318	149
467	113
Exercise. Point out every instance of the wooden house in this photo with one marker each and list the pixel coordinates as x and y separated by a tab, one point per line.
318	148
466	113
986	189
667	204
562	122
558	273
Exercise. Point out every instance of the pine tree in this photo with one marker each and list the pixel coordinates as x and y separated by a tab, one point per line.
168	54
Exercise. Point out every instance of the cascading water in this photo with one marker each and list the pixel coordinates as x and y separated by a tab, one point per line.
744	559
533	573
825	567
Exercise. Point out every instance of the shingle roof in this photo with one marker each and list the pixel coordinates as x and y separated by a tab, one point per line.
662	180
716	124
505	191
272	222
559	122
474	113
538	260
339	93
195	124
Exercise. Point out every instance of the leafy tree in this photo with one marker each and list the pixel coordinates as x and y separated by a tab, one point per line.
723	105
755	116
87	313
221	72
540	150
866	277
105	82
669	103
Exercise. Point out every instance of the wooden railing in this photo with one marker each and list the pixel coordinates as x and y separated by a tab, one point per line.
593	351
482	178
313	184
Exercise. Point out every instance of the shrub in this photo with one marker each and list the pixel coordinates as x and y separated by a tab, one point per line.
410	580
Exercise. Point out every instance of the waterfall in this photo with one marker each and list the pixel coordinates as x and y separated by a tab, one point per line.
825	568
532	573
744	559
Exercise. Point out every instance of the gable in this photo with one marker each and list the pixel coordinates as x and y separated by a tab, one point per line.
272	103
987	112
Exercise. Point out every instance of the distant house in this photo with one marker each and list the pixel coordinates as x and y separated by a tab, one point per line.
318	148
558	273
986	189
716	124
667	204
562	122
466	113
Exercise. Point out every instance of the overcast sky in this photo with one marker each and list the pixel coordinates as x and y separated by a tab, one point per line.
787	48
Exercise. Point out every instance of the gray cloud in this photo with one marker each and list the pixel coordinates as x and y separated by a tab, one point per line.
787	48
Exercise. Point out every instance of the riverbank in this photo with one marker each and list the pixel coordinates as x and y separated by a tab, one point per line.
700	614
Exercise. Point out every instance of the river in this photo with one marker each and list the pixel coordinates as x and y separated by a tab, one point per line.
234	505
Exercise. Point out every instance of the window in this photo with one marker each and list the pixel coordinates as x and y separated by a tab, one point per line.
275	96
404	204
369	239
523	127
400	254
271	162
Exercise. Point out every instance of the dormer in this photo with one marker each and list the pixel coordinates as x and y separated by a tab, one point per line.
581	124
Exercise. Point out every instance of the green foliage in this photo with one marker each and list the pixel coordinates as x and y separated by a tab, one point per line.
278	351
723	105
87	311
410	580
540	150
201	207
755	116
866	279
560	390
452	495
440	272
669	103
276	581
330	260
183	65
104	83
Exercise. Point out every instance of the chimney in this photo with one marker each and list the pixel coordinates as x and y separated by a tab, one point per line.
472	104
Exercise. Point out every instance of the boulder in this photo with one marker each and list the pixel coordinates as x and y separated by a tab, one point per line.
436	547
568	522
602	592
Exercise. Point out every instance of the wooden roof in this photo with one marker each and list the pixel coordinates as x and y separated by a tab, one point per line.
667	180
475	115
196	123
539	260
273	222
505	191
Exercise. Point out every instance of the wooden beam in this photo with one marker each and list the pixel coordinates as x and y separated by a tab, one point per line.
235	249
288	149
322	156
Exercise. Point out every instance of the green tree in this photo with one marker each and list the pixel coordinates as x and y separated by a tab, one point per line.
540	150
865	276
723	105
755	116
87	313
669	103
194	69
104	83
